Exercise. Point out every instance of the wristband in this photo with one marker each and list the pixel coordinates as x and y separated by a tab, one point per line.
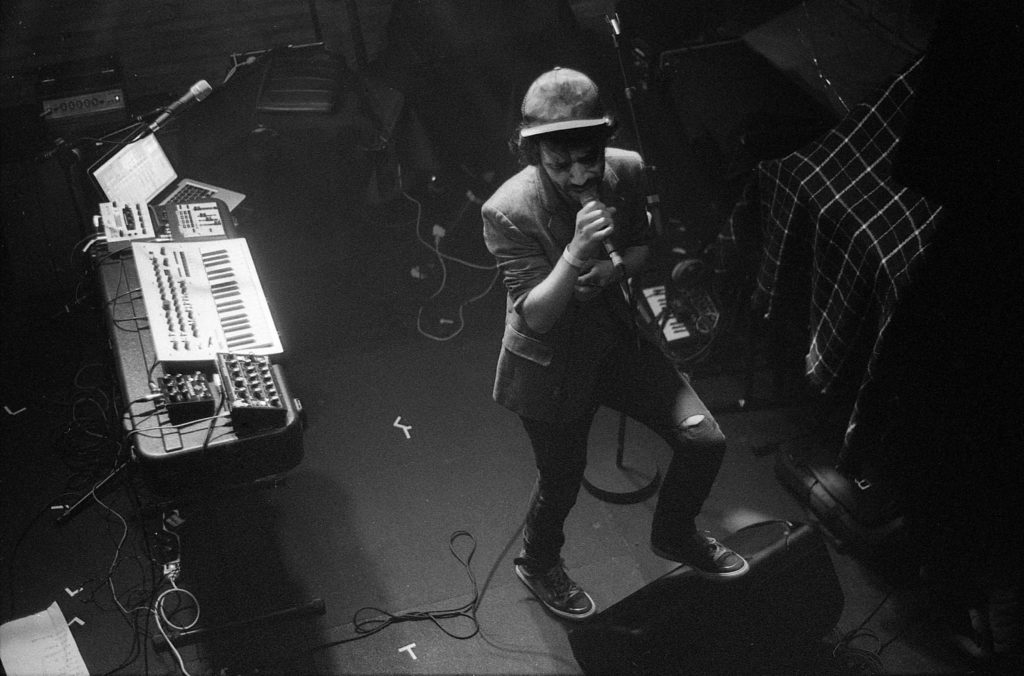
572	260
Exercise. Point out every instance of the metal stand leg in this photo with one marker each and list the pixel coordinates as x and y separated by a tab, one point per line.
626	497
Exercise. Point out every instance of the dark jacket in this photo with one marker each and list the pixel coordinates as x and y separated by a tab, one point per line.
527	224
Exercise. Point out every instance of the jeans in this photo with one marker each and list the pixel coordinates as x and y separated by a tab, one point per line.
643	385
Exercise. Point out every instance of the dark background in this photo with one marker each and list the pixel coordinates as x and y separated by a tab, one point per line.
376	326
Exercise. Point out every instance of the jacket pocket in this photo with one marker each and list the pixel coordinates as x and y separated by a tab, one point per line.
526	347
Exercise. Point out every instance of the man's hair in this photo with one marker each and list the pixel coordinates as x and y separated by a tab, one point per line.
527	149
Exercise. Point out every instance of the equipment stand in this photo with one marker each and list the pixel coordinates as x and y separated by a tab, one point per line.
654	209
627	497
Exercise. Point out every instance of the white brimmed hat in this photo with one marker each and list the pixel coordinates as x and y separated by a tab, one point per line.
560	100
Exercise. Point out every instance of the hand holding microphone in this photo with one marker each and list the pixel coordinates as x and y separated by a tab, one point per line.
594	226
593	195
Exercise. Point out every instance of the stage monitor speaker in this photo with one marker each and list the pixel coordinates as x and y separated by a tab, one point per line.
770	620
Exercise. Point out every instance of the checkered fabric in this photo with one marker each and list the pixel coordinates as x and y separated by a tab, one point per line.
835	221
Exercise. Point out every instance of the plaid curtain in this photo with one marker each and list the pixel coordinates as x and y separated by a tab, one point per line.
834	217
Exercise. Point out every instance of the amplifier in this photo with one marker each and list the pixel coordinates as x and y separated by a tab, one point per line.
82	95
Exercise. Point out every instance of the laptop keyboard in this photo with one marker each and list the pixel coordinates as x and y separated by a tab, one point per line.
189	193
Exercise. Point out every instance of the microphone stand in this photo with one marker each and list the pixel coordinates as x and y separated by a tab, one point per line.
650	171
654	210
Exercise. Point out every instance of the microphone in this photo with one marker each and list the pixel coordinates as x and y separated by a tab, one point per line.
613	254
195	93
592	195
613	21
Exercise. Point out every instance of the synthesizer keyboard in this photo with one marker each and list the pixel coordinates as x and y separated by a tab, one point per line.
203	298
671	327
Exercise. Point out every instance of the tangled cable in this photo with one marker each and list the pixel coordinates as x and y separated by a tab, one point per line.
368	626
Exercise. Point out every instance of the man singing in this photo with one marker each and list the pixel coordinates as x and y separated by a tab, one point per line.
569	344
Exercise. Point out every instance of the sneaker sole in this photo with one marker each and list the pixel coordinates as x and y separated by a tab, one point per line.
703	573
561	613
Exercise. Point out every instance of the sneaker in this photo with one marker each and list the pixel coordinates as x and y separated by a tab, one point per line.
706	555
556	590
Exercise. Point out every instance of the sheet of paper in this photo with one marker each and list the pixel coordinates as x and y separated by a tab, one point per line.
40	645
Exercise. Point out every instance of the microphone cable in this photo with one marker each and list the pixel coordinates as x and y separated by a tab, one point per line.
381	619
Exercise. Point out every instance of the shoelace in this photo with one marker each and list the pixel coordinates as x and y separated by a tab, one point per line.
560	583
715	549
556	580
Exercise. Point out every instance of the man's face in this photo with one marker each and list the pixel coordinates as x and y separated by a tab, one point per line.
575	171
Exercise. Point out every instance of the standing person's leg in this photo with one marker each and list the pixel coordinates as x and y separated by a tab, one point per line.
646	387
560	450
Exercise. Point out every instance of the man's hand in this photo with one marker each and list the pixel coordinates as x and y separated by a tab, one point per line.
594	224
600	275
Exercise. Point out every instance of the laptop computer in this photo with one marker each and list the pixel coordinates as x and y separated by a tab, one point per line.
139	172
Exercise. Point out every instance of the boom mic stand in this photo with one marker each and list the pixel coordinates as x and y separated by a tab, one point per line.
73	155
650	171
654	211
747	400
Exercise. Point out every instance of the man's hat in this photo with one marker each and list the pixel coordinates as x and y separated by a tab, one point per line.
559	100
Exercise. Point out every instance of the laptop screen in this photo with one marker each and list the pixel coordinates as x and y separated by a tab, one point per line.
135	173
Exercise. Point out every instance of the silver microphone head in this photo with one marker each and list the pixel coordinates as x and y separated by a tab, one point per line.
201	90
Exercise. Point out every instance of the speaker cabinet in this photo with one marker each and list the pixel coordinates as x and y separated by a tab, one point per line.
767	621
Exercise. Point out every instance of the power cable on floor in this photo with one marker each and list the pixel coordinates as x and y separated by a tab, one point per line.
368	626
442	258
867	661
382	619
